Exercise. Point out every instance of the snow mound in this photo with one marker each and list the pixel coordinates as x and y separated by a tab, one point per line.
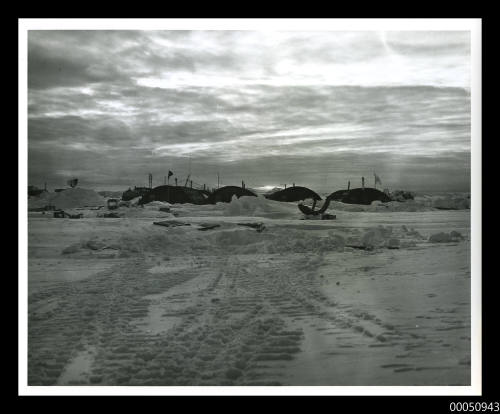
418	204
156	204
70	198
237	237
110	194
446	237
376	237
411	232
451	203
245	241
353	208
135	201
393	243
401	195
260	207
385	237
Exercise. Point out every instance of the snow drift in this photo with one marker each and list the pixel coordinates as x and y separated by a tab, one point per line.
70	198
260	207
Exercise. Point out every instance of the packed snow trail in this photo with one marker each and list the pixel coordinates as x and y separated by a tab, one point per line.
232	306
244	325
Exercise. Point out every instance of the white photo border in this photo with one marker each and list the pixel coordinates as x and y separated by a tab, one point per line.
471	25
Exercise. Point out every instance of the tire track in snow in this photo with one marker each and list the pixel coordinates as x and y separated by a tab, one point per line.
242	327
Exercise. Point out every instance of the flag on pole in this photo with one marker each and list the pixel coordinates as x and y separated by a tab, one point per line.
377	179
170	173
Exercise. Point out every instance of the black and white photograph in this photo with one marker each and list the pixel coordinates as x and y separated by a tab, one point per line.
254	206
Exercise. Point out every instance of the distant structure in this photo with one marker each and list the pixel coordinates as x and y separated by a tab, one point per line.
295	193
363	195
175	195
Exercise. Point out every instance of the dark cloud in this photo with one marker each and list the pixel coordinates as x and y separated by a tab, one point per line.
56	59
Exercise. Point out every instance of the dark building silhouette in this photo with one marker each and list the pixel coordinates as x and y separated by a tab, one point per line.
175	195
293	194
360	196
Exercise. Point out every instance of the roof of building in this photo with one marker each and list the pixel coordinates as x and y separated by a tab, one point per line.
360	196
175	195
296	193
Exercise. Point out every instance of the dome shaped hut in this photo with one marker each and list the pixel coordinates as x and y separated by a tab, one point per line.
360	196
293	194
175	195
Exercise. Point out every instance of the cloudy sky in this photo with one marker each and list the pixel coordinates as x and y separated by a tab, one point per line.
314	108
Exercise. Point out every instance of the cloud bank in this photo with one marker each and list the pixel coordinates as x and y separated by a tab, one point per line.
316	108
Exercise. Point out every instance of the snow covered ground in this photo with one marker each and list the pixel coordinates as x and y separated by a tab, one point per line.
366	299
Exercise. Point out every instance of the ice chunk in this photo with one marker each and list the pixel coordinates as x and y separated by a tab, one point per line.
440	238
373	238
393	243
70	198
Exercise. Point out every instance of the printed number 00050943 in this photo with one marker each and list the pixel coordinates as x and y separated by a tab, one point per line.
475	406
